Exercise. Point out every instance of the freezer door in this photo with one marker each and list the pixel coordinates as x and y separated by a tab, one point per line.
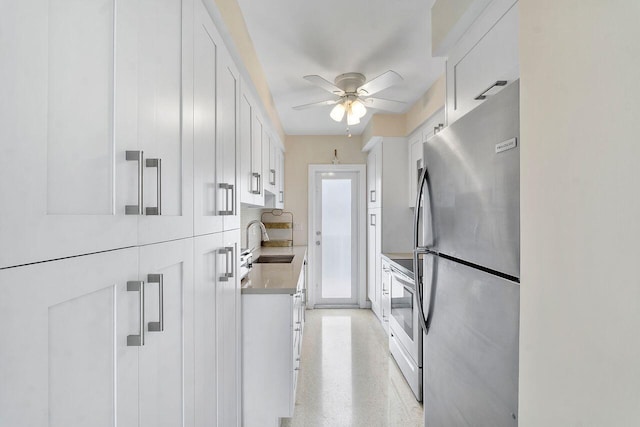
470	361
474	170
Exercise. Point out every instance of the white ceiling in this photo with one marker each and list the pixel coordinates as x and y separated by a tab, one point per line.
294	38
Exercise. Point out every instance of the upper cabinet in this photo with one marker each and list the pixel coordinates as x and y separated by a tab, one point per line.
416	141
93	155
374	176
250	151
216	128
484	59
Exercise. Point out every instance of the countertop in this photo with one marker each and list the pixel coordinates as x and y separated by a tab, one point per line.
275	278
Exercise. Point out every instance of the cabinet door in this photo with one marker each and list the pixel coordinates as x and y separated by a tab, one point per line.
228	334
374	176
473	72
64	360
373	261
415	168
267	161
168	152
385	298
227	156
210	265
280	180
67	117
166	359
257	158
248	181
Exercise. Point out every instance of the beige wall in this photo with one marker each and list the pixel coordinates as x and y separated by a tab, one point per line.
580	213
432	100
234	21
301	152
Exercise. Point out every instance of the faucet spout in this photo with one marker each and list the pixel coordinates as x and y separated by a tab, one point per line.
265	236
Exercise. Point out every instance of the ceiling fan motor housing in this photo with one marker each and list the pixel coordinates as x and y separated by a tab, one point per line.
350	82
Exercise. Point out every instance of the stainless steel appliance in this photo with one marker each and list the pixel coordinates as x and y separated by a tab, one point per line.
405	333
469	248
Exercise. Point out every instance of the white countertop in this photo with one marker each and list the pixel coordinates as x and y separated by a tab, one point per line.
275	278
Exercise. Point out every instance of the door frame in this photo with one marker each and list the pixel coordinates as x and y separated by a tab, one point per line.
360	170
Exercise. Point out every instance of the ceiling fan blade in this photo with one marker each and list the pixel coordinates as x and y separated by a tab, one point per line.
384	104
381	82
324	84
317	104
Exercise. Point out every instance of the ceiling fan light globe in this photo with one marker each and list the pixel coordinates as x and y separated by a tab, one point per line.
337	113
352	119
358	109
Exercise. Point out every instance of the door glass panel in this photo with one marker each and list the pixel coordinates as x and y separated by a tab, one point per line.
336	238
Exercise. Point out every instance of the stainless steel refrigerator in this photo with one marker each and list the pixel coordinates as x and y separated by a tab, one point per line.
467	237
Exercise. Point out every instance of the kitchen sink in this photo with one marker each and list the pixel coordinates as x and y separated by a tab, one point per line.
274	259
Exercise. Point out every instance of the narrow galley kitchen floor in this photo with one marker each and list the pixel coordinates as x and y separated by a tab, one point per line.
348	377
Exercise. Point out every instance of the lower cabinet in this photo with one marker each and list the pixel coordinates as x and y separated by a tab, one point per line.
374	249
146	336
98	340
217	330
273	327
385	297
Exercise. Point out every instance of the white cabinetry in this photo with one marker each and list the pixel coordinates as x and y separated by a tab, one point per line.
385	299
217	330
251	152
374	249
485	55
416	150
167	151
99	82
390	221
216	92
273	326
78	356
280	179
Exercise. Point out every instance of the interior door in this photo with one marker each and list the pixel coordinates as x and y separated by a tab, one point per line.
166	359
168	151
336	233
67	117
64	360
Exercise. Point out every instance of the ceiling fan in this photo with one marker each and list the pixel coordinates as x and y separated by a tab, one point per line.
353	93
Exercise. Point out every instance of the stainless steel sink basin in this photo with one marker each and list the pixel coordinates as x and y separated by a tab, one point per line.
273	259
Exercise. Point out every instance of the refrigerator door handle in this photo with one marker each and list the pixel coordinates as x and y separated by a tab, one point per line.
418	250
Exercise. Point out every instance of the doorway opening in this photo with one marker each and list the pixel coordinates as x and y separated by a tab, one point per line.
337	245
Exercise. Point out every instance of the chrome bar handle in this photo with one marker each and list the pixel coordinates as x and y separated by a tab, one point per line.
156	163
373	220
256	175
483	95
229	250
159	325
137	340
272	172
281	196
224	277
232	188
136	156
224	187
372	196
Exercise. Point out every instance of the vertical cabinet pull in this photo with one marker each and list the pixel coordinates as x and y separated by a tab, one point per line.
281	196
230	260
257	181
229	190
136	156
372	196
137	340
272	176
224	277
159	325
156	163
373	220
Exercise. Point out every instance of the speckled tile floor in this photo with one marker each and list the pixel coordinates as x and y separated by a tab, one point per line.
348	377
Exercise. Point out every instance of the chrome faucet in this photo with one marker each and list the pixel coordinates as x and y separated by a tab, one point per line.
265	236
